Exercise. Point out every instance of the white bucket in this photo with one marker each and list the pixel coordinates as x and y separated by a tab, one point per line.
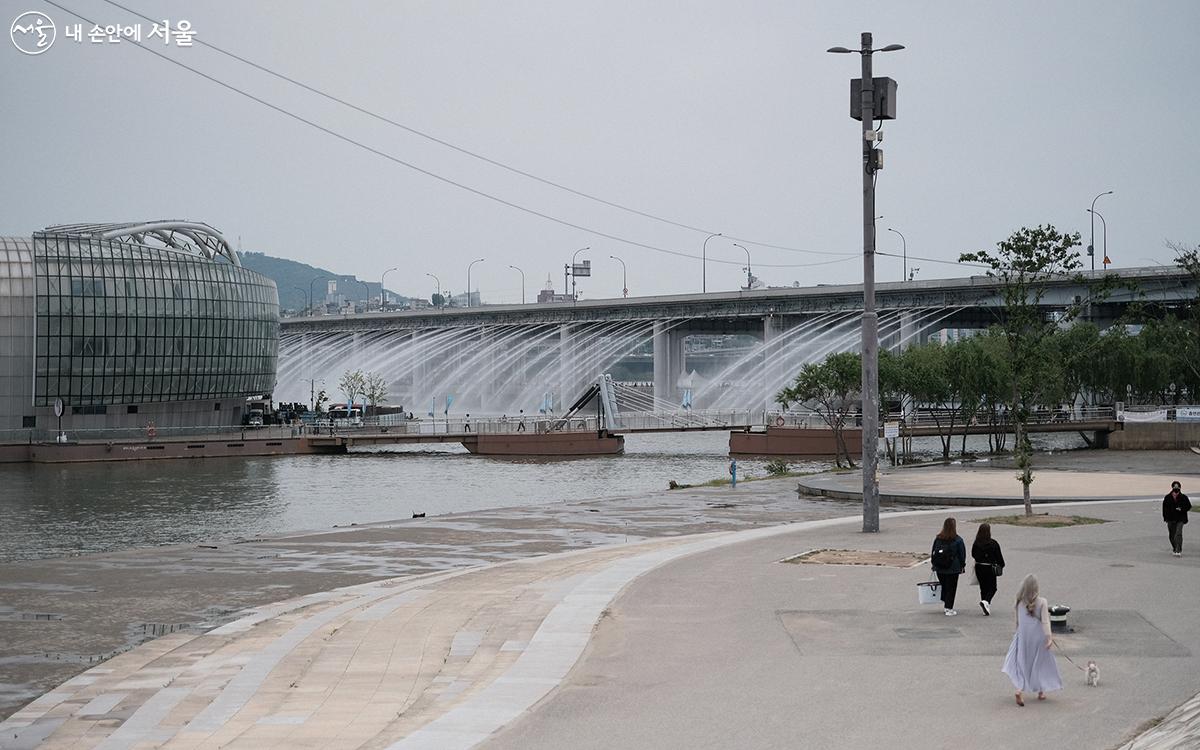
929	592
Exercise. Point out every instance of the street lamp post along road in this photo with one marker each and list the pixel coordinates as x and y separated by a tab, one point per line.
311	299
381	280
904	245
306	302
522	282
571	271
439	288
624	276
749	277
469	265
872	161
1092	243
704	262
1104	231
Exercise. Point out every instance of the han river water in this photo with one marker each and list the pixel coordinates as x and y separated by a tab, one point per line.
61	510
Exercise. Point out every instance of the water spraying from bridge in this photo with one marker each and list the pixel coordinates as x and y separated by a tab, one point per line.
541	368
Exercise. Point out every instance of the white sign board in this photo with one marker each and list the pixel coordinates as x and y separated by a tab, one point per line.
1187	414
891	430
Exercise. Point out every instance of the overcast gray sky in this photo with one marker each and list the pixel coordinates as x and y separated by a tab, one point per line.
724	116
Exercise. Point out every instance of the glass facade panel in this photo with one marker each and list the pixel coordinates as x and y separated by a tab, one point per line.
119	323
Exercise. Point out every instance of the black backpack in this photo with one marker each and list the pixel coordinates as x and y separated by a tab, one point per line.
943	555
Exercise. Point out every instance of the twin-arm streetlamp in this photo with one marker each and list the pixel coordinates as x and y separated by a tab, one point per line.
904	245
749	277
704	262
522	282
469	265
876	102
1092	243
381	280
624	277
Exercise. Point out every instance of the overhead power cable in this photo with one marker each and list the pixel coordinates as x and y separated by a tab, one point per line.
434	175
474	154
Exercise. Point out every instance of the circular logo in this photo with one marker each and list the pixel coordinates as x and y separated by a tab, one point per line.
32	32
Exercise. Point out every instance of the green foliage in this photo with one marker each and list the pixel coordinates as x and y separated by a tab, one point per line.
352	383
1023	264
777	467
375	389
831	387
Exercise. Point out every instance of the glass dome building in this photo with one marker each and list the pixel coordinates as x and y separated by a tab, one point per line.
128	325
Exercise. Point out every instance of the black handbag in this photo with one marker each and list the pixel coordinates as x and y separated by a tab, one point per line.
998	568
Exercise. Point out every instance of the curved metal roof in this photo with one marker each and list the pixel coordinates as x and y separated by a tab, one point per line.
189	236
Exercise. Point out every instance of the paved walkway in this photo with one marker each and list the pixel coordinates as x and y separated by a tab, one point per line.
690	641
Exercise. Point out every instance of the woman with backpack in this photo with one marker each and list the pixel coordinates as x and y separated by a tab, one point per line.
949	558
989	564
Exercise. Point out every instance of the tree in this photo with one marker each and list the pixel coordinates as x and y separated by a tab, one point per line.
375	389
1023	264
352	383
322	397
832	386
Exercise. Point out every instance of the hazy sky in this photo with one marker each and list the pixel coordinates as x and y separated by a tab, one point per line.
725	116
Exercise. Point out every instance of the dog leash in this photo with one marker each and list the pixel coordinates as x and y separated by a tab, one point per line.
1063	655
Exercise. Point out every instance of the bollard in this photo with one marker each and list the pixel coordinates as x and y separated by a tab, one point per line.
1058	618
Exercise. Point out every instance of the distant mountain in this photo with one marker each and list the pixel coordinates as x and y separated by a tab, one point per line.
294	279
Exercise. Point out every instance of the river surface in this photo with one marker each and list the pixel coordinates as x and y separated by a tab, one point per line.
51	510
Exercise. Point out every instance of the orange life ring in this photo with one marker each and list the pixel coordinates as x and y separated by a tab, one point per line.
779	421
151	432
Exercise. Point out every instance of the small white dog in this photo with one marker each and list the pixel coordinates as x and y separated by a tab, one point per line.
1093	674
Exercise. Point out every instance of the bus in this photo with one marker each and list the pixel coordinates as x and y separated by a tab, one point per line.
346	415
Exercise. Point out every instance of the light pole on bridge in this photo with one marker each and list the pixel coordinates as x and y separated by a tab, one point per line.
311	299
439	289
704	262
522	282
1104	230
904	252
749	277
469	265
1092	243
381	280
624	277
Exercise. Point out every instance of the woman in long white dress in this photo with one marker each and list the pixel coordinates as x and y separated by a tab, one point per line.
1029	663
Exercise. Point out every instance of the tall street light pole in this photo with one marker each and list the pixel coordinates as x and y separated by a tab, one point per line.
904	245
1104	229
1092	243
382	279
439	287
522	282
469	265
748	276
872	161
571	269
311	299
624	277
704	262
307	304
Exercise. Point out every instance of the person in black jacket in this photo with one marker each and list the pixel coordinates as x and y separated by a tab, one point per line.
949	558
1175	509
989	562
